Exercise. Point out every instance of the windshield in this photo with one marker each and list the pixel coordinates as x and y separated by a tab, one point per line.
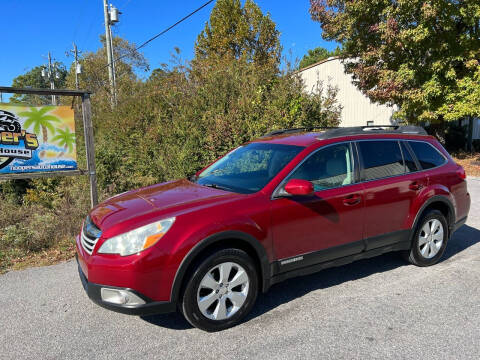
248	168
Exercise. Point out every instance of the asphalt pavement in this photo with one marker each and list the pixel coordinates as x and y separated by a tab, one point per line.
372	309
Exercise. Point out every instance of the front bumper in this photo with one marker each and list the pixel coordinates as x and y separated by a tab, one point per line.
149	308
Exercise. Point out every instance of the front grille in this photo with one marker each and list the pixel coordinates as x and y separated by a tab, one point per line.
90	235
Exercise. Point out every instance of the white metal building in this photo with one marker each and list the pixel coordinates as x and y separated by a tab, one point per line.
357	110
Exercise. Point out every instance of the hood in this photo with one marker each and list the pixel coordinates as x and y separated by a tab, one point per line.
166	199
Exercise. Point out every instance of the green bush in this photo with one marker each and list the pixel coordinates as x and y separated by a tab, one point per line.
51	213
22	237
188	117
42	229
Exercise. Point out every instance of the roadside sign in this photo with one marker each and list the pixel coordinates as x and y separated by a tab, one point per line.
37	139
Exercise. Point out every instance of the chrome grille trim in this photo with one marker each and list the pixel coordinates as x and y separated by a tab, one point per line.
88	241
88	244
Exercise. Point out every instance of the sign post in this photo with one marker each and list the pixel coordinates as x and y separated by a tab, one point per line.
26	151
89	146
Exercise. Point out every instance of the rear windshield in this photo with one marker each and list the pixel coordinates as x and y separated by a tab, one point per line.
248	168
427	155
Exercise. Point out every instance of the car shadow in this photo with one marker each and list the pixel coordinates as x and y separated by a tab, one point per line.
292	289
173	321
462	239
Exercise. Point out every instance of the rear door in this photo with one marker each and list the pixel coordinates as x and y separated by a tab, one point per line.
391	183
326	225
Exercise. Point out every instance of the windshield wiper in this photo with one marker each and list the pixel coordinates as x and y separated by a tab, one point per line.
216	186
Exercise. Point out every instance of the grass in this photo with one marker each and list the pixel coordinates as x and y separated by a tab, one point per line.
18	259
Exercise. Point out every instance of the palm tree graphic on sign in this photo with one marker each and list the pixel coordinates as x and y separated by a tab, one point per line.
65	138
40	120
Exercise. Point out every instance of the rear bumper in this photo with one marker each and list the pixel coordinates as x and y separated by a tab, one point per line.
149	308
459	223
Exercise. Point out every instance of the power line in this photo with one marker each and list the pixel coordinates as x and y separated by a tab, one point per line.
159	34
164	31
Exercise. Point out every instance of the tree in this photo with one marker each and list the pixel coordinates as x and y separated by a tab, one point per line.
40	120
421	55
65	138
34	79
239	32
316	55
94	76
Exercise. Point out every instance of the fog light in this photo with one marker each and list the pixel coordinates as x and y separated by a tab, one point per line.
120	297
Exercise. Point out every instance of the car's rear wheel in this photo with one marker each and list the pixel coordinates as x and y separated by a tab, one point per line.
221	290
430	239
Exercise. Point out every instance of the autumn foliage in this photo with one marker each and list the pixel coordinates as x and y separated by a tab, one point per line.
423	56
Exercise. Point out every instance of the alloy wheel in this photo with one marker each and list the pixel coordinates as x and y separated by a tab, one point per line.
223	291
430	239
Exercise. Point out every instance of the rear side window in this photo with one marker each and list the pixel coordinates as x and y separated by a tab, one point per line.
381	159
427	155
410	165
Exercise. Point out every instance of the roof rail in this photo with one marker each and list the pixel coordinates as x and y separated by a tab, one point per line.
331	132
301	129
373	129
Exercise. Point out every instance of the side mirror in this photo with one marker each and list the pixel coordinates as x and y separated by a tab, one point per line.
299	187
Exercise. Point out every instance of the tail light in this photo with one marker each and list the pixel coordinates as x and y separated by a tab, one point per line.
461	172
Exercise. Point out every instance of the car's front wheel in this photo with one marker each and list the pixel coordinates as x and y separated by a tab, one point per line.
221	290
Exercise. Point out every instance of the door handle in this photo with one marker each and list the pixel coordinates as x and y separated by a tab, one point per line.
415	186
351	200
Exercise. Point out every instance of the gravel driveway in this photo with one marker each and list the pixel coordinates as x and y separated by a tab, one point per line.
376	308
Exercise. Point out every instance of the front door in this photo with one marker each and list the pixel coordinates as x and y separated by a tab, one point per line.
326	225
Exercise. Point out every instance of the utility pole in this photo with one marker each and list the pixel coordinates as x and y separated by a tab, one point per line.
111	17
113	66
78	66
75	55
50	76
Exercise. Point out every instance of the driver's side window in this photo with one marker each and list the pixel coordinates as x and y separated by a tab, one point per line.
327	168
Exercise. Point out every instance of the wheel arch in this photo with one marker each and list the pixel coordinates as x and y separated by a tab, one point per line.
225	239
437	202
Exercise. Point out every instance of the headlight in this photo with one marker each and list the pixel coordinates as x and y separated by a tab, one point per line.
137	240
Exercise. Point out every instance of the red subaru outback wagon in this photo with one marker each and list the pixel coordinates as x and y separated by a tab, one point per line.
288	204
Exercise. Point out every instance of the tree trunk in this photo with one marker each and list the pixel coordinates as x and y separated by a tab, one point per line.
45	135
63	152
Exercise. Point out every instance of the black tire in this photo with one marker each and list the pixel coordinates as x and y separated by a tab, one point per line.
414	255
189	305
